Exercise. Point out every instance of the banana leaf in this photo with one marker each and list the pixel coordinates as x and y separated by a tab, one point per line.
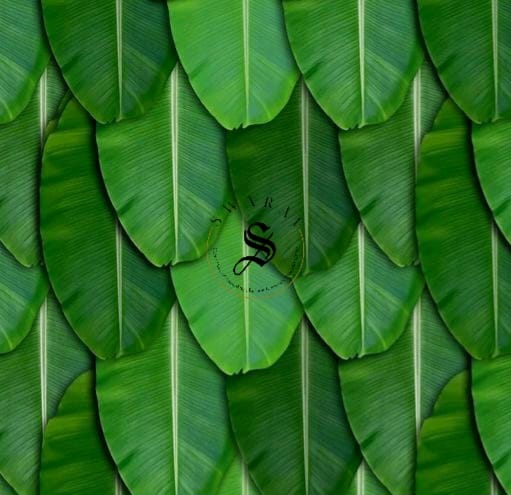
164	207
164	416
115	300
22	291
476	77
366	483
21	143
237	480
492	405
362	304
23	55
358	57
74	456
237	56
464	258
387	397
116	56
32	380
492	150
380	164
288	174
6	489
451	460
243	320
290	425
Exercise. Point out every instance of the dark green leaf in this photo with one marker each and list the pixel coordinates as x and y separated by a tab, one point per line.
465	261
116	56
114	299
358	58
237	56
380	164
166	205
388	396
164	415
290	424
288	174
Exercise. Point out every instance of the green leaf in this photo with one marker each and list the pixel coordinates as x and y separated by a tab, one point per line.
358	58
5	488
115	56
380	164
492	404
465	261
21	143
22	290
450	459
368	310
163	205
240	64
290	424
237	480
366	483
74	456
243	322
114	299
165	410
32	380
23	55
476	78
492	148
388	396
288	174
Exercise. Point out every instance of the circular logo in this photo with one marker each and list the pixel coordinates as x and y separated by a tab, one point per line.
259	253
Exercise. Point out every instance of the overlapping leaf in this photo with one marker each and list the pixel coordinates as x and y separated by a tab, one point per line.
464	258
388	396
33	379
23	55
21	142
288	174
362	304
166	174
358	57
380	164
237	56
164	416
115	56
114	299
468	43
290	424
243	321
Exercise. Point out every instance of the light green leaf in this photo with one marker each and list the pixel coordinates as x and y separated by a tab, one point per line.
492	403
165	410
32	380
362	304
237	56
465	261
116	56
358	57
477	78
243	321
450	458
23	55
388	396
21	143
22	290
492	148
237	480
288	174
167	205
380	164
290	424
74	456
114	299
366	483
